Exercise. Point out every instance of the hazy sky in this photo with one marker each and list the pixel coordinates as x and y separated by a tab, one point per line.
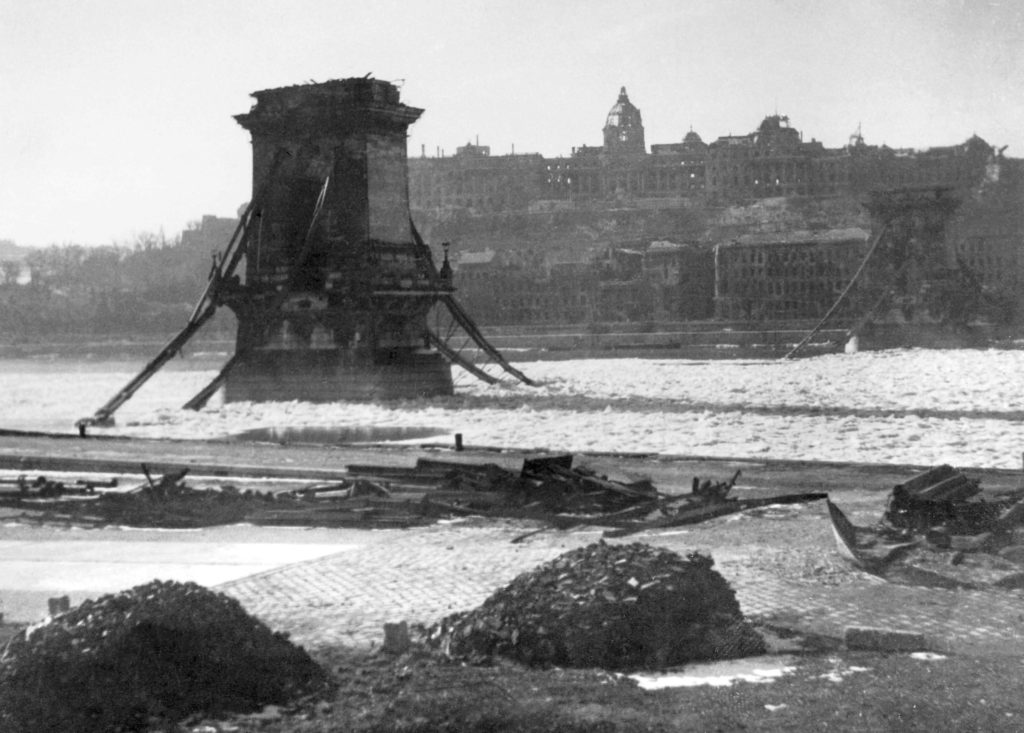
117	114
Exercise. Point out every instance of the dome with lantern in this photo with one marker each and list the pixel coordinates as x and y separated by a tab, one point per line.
624	127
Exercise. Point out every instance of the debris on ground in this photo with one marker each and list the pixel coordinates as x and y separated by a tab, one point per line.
548	489
942	497
40	486
707	501
609	606
166	501
938	530
163	650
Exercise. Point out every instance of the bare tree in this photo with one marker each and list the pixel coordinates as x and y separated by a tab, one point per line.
10	270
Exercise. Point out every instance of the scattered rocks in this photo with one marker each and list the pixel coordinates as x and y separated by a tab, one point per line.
163	650
610	606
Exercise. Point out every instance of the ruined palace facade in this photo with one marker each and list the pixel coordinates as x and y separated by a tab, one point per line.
774	160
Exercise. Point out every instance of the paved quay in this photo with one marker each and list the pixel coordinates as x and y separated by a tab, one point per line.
42	562
424	574
343	586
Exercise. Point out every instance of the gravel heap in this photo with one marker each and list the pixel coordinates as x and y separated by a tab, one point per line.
611	606
163	650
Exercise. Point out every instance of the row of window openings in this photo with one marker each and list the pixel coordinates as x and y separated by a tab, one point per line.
668	178
917	168
569	300
760	257
589	186
780	288
421	183
749	274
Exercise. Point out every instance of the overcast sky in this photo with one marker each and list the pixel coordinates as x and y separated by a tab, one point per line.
117	114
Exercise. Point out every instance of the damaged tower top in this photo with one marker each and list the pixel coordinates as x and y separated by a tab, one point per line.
353	131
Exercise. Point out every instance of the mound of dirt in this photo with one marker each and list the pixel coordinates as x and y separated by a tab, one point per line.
162	650
610	606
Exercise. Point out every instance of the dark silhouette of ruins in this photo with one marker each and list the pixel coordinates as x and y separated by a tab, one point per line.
333	298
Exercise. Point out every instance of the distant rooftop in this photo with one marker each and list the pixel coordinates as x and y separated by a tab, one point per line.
849	234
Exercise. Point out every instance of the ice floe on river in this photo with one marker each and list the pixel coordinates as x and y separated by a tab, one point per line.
964	407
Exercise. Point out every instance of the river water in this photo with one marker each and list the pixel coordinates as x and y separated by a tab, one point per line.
917	406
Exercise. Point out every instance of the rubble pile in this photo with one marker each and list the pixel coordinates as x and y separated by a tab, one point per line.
610	606
163	650
939	530
942	496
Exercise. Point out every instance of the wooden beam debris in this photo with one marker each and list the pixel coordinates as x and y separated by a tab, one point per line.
548	489
940	496
938	531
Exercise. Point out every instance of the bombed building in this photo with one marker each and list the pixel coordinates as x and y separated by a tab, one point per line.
773	160
763	226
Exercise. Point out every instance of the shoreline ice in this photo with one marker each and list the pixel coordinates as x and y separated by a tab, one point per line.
916	406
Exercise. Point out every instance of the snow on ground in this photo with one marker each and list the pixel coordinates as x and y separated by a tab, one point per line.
964	407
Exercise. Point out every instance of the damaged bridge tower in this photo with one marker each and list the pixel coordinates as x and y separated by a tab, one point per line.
337	285
333	297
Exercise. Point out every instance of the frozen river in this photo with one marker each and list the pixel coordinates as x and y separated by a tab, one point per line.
964	407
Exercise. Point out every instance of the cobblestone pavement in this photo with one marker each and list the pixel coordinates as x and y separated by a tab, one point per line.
424	574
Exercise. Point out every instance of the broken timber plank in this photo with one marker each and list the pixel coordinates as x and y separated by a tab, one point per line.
468	465
545	464
594	481
954	488
926	479
710	511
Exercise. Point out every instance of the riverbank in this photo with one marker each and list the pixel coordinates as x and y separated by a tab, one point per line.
649	339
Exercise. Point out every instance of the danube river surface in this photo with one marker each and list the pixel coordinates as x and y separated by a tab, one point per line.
916	406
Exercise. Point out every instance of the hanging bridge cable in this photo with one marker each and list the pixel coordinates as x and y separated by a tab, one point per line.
460	315
203	396
451	326
471	328
842	296
462	351
454	357
203	311
237	246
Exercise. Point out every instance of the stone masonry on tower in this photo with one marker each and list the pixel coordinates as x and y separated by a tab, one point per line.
336	287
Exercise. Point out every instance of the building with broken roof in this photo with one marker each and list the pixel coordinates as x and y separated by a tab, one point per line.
773	160
769	202
785	276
